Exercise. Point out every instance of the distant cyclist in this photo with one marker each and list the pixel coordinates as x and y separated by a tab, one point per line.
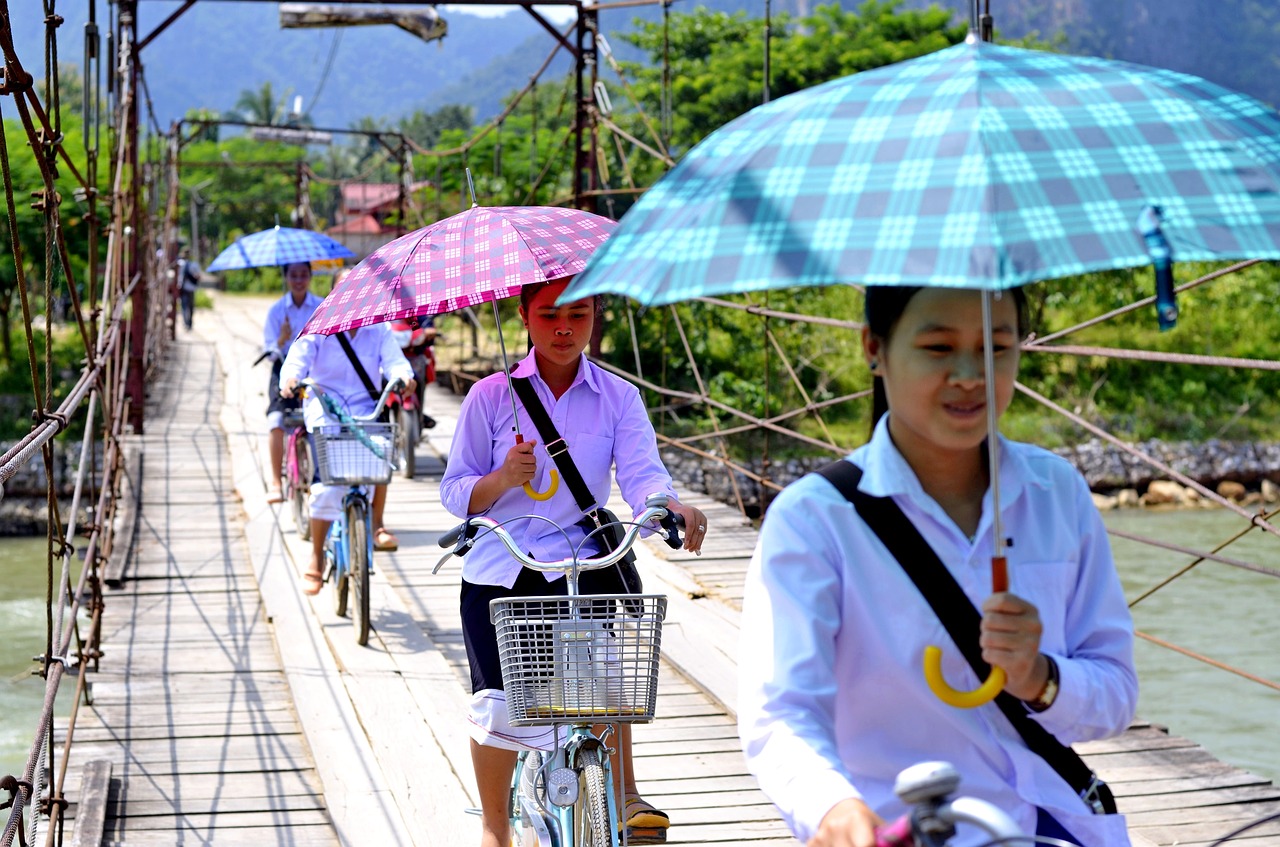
324	359
832	701
285	320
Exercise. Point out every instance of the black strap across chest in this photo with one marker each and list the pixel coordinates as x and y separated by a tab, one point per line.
960	618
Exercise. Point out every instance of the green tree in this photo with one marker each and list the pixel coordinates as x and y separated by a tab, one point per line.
263	106
424	128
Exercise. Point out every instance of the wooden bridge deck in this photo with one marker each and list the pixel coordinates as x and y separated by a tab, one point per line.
235	710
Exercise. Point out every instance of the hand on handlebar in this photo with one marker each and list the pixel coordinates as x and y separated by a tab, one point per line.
695	525
289	386
849	823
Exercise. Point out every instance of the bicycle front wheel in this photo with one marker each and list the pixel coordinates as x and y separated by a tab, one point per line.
298	487
339	569
358	552
591	811
407	440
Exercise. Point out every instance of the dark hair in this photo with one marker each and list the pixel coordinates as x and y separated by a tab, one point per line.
528	292
284	269
884	307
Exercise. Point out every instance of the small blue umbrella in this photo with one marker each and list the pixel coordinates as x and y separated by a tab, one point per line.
279	245
978	166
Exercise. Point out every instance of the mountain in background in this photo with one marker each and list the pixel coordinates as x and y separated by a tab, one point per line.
217	50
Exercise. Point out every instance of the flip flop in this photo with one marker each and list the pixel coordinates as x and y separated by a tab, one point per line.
642	815
276	495
384	540
311	583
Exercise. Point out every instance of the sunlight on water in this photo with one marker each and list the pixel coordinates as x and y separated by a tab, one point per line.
22	632
1216	610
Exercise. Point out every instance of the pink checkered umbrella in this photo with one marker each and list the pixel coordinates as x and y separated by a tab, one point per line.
476	256
481	255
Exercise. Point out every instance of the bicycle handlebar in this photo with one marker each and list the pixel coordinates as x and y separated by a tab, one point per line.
932	820
387	390
464	536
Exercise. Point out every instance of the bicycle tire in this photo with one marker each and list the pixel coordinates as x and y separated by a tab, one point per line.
298	488
339	570
591	811
407	440
358	562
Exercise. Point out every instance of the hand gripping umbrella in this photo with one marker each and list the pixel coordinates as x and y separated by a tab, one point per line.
481	255
280	245
978	167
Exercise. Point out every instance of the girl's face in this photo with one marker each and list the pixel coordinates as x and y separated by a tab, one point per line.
298	277
559	333
932	367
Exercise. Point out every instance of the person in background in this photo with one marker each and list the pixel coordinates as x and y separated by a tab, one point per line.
322	358
285	319
832	700
188	281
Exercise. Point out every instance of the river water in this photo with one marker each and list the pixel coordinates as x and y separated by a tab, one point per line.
1217	610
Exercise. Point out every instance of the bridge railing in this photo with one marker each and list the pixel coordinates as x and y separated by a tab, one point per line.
118	304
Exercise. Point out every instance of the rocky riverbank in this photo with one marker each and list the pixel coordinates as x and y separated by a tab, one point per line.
1246	472
23	499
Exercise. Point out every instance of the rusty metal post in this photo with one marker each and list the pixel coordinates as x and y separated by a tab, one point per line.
136	385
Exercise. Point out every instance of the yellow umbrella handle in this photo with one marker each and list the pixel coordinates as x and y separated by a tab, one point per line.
544	495
994	684
533	493
981	695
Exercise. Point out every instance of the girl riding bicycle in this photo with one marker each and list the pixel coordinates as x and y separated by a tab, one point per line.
323	359
833	702
603	422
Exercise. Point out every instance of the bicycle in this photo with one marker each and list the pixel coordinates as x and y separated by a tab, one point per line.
408	418
356	452
299	468
573	662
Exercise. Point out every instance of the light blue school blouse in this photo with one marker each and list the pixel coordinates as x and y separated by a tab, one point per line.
832	700
603	420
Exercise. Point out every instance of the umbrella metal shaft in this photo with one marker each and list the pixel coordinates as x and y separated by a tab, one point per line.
993	441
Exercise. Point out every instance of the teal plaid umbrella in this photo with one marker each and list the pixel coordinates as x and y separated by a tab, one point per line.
978	166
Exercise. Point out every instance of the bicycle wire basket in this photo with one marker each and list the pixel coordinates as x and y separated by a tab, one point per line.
356	453
585	658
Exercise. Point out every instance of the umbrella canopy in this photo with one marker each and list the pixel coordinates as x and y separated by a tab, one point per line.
474	257
280	245
978	166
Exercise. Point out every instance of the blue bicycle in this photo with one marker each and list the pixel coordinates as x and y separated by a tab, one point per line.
579	663
357	451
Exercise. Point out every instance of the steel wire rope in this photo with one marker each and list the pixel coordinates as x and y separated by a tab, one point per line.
328	66
705	397
489	127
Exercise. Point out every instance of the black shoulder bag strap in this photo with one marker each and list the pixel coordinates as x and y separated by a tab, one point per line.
374	393
555	446
962	622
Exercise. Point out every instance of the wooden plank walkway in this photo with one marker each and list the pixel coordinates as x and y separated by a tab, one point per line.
191	704
252	715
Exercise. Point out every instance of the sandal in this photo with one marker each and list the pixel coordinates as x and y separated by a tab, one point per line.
276	495
641	814
311	583
384	540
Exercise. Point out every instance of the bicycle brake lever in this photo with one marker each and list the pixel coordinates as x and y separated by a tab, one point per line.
460	538
671	524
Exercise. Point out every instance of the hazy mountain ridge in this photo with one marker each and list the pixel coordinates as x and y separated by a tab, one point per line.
217	50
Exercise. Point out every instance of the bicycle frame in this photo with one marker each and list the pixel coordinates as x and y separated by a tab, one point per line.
559	825
545	805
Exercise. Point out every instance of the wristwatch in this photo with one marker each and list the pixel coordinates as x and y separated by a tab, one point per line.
1049	693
